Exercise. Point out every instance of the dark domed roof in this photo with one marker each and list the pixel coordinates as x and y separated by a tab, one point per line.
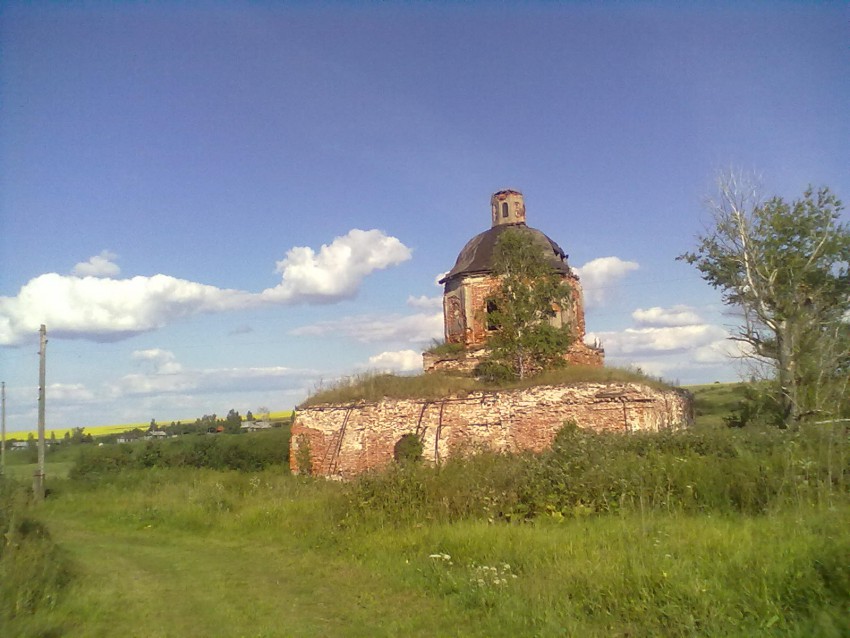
477	256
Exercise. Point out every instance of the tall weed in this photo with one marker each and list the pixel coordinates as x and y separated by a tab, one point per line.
243	452
714	471
33	571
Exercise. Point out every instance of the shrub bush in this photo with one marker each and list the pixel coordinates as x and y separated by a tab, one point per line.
33	571
243	452
408	449
722	471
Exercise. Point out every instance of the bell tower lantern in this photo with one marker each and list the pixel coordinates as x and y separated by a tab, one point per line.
507	207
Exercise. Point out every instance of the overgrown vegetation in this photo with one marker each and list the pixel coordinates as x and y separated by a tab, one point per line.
303	456
408	449
33	570
377	386
445	348
714	531
529	293
247	453
785	269
722	471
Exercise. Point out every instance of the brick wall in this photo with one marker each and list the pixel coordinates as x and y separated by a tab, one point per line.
345	440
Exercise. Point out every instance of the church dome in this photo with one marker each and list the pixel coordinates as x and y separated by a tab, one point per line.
477	256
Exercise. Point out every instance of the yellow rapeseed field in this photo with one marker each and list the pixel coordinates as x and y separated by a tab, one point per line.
103	430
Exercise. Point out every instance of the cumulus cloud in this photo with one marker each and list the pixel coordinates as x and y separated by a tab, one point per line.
102	308
599	276
674	342
102	265
397	361
106	309
678	315
417	328
338	269
659	340
425	303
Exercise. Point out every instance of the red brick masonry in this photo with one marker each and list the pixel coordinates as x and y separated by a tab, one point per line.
346	440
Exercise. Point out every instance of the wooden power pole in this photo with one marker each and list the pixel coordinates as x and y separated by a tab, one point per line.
38	477
3	428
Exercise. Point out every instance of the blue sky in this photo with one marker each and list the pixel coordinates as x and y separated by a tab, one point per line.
227	205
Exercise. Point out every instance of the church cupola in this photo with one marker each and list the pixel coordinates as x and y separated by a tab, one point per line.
470	284
507	207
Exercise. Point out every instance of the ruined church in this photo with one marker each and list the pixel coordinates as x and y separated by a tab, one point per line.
343	440
469	285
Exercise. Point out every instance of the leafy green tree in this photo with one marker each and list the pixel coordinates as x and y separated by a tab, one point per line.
530	292
233	422
79	435
785	268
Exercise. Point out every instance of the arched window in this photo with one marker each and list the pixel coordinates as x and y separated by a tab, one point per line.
504	209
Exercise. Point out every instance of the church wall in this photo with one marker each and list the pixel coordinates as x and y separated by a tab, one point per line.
470	295
346	440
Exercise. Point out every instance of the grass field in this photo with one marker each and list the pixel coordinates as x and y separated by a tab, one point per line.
722	533
222	554
714	401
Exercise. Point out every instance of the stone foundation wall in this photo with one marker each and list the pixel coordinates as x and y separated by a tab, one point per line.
345	440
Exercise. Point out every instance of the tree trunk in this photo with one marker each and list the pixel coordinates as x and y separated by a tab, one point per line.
786	375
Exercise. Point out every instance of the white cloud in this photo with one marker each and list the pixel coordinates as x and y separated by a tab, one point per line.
107	309
167	390
675	343
679	315
69	393
338	269
397	361
101	265
207	381
599	276
659	340
721	351
425	303
164	361
417	328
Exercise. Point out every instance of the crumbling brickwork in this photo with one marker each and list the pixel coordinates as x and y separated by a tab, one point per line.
470	285
346	440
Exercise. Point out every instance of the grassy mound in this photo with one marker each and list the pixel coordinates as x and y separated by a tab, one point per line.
375	387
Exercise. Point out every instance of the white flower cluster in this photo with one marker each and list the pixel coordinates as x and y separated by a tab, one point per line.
443	557
491	576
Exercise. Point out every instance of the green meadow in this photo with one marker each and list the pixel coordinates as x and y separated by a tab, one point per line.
711	532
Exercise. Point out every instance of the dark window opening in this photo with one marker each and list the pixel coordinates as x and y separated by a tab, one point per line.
491	321
504	209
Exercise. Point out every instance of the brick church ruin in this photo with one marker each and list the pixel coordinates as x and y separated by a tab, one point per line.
343	440
469	285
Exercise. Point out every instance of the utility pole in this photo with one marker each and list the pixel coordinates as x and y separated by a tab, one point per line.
3	428
38	477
